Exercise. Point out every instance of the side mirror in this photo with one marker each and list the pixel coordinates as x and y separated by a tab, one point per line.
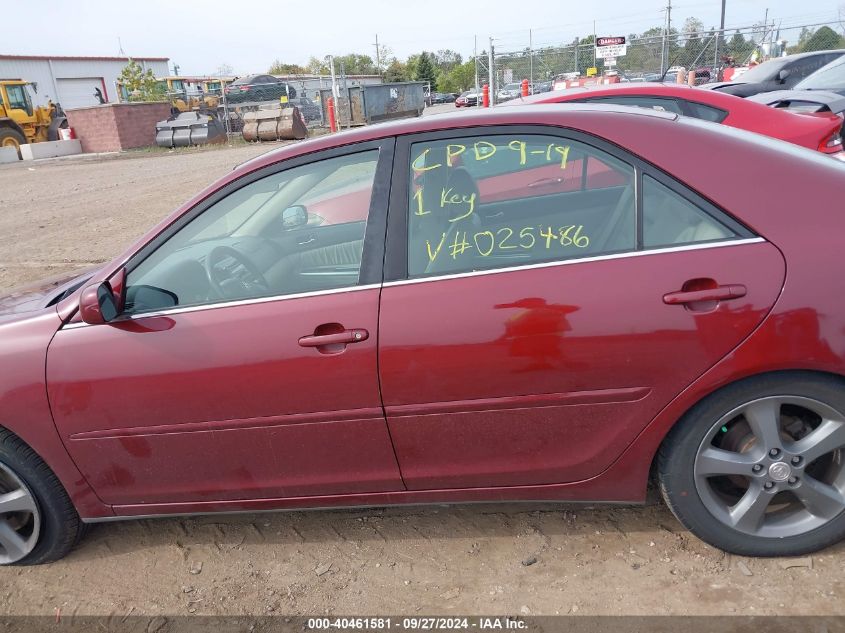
97	304
783	74
294	217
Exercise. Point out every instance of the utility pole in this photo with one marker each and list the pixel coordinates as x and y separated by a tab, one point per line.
531	58
335	90
378	59
719	36
492	74
475	58
664	62
765	32
577	46
595	40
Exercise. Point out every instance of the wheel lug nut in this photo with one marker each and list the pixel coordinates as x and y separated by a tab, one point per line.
768	485
796	460
793	480
774	452
756	468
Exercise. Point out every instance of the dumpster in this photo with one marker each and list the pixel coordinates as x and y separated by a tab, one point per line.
360	105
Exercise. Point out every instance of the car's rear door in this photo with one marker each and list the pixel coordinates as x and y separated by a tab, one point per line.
528	338
269	396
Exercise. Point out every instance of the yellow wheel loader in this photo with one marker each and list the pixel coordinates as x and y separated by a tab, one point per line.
21	122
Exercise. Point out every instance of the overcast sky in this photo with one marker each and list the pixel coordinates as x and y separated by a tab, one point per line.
249	34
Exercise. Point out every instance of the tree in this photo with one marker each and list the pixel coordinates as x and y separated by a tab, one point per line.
803	38
460	78
738	48
694	41
425	71
355	64
825	38
446	59
385	57
317	66
396	71
411	66
140	84
224	70
278	68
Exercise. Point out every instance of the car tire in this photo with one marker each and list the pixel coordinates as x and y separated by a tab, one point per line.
54	519
796	400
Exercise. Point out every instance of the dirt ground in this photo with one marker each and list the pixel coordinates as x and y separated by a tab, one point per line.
476	559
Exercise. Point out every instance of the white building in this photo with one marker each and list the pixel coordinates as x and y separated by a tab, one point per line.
71	81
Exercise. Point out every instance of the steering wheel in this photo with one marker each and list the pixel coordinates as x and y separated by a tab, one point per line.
233	276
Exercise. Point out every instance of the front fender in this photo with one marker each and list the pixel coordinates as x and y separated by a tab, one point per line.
24	409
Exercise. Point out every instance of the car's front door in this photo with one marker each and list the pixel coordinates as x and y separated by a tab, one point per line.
245	364
528	338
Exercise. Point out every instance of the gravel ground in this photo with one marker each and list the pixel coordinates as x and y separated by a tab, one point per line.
479	559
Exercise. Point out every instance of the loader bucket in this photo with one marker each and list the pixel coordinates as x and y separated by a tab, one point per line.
189	128
273	123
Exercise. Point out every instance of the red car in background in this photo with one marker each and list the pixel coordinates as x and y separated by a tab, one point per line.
466	99
818	131
548	303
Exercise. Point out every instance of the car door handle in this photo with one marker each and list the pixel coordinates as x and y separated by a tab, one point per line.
545	182
719	293
337	338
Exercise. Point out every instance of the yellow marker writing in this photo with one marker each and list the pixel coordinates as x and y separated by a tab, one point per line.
433	256
418	198
519	147
415	165
483	150
564	154
450	154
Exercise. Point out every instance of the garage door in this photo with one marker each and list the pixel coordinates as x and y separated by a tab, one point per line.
78	92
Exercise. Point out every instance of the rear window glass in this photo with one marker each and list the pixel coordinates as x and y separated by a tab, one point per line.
705	112
495	201
831	77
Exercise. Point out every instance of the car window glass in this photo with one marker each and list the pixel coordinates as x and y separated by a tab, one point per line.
705	112
494	201
295	231
669	219
805	67
653	103
766	71
831	77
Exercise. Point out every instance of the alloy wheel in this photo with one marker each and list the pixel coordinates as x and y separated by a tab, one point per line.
20	520
774	467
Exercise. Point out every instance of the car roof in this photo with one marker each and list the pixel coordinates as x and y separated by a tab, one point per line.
546	114
657	89
771	66
788	58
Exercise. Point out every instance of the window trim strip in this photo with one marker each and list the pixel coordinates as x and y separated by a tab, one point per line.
581	260
225	304
405	282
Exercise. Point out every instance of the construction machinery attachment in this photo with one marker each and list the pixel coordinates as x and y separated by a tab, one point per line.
190	128
274	123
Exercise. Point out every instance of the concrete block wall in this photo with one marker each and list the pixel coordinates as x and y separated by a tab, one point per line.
50	149
114	127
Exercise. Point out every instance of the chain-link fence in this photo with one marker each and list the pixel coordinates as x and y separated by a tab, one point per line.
712	55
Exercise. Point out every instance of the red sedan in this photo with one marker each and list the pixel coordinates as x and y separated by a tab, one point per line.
822	132
539	303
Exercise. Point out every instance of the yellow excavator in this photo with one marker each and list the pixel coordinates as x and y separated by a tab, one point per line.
22	122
